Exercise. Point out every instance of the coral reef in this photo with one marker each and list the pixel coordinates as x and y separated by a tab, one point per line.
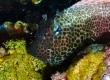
16	47
56	40
17	28
59	76
106	73
19	65
88	67
26	11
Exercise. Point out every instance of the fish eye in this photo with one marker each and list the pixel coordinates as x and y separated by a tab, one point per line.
57	29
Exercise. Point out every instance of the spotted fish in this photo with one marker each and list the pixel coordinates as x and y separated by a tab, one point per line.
58	37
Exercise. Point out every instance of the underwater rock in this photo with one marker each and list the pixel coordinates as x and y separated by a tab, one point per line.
90	66
19	65
60	36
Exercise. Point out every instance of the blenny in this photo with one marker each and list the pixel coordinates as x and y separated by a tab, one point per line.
58	37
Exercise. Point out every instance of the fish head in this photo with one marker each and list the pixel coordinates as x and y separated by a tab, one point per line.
52	43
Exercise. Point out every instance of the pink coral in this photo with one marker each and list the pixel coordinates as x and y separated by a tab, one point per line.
107	51
88	78
107	56
107	61
106	73
59	76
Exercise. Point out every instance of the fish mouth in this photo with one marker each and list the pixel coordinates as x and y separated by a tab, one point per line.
42	47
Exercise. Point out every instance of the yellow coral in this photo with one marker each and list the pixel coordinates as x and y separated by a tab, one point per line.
18	46
19	65
89	67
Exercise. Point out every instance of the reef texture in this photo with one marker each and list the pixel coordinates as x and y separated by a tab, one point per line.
59	76
88	67
106	73
59	37
18	65
18	28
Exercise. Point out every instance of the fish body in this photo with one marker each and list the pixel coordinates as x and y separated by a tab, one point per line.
57	38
